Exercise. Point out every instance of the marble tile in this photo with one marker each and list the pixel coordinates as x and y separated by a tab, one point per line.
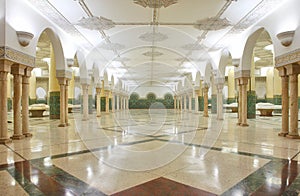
9	186
8	157
215	175
98	174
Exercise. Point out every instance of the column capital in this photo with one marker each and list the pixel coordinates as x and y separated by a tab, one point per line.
292	69
5	65
27	71
61	80
98	90
242	74
243	80
281	71
18	69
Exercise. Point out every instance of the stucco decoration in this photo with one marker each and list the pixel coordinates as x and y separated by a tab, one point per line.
16	56
155	3
96	23
153	36
212	24
285	59
152	53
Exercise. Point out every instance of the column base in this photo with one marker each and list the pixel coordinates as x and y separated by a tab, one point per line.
292	136
68	124
205	115
5	141
282	134
62	125
27	134
244	125
17	137
98	116
238	124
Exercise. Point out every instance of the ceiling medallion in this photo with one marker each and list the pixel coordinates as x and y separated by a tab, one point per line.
212	24
155	3
152	54
153	36
111	46
193	47
96	23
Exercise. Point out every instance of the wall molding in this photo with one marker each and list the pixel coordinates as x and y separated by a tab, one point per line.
15	56
288	58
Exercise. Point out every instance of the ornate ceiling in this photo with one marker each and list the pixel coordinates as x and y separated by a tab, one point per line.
154	40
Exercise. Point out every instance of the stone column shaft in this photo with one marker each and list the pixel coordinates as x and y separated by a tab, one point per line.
293	133
190	103
62	96
284	102
244	83
205	111
66	102
239	102
98	97
25	104
220	102
113	102
196	103
17	72
85	102
107	101
4	69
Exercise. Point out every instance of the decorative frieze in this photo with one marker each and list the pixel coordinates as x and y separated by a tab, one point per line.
288	58
13	55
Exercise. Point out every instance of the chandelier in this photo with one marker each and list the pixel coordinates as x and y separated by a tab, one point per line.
155	3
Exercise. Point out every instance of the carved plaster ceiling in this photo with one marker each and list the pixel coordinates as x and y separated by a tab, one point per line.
182	27
155	3
96	23
153	37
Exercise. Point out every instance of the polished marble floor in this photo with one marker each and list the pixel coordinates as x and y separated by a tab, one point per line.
151	152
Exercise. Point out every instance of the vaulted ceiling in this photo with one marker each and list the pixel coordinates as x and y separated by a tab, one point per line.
150	41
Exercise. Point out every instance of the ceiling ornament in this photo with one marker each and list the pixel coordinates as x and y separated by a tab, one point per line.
111	46
96	23
212	24
153	36
152	54
155	3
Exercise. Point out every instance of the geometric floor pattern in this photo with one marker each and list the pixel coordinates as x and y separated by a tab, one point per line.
141	152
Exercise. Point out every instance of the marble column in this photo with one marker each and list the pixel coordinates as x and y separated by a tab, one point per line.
25	102
270	85
4	70
284	102
196	102
32	88
244	83
67	102
231	86
113	102
98	97
205	91
62	85
190	103
293	70
175	104
85	102
220	101
17	70
239	102
107	101
127	103
185	103
118	102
